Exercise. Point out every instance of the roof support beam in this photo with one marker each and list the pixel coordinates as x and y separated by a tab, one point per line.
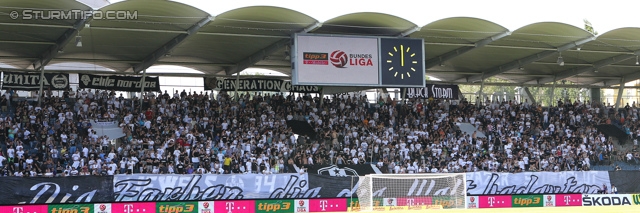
627	78
409	31
60	43
457	52
596	65
261	54
524	61
160	52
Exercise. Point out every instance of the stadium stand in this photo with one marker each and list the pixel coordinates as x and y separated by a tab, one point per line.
185	133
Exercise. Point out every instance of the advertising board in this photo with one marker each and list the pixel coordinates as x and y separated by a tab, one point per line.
328	205
494	201
284	206
606	200
338	60
335	60
527	201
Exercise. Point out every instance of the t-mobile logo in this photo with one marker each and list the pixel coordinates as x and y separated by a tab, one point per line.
323	204
229	207
567	200
17	210
128	208
493	200
410	202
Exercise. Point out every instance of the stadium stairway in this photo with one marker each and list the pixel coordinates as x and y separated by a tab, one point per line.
612	130
623	166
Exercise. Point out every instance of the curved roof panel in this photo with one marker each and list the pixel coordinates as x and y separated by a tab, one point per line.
366	23
170	33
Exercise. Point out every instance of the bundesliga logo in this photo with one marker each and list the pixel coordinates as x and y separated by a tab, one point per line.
340	59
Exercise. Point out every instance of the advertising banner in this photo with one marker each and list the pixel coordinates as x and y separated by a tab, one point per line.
527	201
437	91
328	205
549	200
31	81
146	207
606	200
264	206
302	205
354	204
570	182
472	202
177	207
335	60
72	208
149	187
497	201
415	201
235	206
257	84
102	208
448	202
205	206
568	199
41	190
119	83
25	208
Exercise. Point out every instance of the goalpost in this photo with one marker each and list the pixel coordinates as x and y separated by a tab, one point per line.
412	191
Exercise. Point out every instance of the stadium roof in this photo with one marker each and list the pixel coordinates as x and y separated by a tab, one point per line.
458	49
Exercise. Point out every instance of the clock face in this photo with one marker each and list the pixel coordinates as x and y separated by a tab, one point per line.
402	62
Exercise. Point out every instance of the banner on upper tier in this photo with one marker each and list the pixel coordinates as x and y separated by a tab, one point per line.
569	182
149	187
256	84
437	91
119	83
40	190
31	81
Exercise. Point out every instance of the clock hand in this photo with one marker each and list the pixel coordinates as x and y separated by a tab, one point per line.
401	55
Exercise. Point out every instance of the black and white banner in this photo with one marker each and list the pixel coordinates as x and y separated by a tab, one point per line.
334	186
438	91
344	170
627	182
31	81
257	84
119	83
142	187
40	190
569	182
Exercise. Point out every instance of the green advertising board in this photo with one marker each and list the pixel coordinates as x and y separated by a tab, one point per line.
71	208
354	204
177	207
527	201
284	206
447	202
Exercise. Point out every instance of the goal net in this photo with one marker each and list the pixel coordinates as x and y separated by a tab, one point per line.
412	191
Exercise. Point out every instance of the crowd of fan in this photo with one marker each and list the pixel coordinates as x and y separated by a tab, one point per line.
185	133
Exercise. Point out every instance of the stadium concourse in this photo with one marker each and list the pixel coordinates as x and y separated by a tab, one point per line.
187	133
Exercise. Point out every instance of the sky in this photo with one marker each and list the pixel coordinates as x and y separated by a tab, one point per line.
511	14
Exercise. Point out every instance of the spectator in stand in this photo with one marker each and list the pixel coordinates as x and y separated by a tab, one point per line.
201	133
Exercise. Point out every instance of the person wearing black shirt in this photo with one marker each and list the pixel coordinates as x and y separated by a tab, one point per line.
180	168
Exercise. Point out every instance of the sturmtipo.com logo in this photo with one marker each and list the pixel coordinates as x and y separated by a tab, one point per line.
29	14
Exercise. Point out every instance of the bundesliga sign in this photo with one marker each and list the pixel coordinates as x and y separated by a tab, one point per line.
334	60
